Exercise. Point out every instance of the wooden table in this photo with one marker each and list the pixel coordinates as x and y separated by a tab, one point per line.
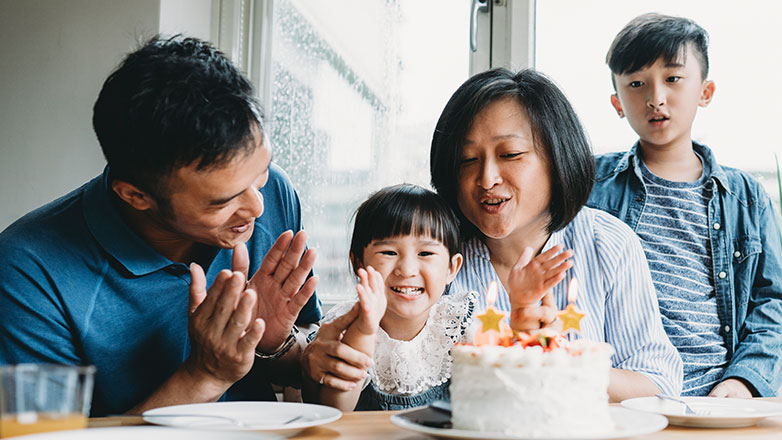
377	425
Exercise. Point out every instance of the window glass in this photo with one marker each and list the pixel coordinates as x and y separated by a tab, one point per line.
740	123
357	86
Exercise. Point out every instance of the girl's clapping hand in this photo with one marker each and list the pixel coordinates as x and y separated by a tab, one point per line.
372	297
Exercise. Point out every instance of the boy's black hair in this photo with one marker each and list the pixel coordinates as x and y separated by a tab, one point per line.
172	103
651	36
402	210
556	130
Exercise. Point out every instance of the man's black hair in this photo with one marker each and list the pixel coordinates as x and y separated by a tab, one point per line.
172	103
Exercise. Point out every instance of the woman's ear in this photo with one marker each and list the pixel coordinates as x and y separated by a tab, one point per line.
456	265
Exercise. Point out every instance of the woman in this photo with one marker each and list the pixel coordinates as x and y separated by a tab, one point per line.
510	157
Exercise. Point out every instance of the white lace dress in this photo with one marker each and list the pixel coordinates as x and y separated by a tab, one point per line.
413	373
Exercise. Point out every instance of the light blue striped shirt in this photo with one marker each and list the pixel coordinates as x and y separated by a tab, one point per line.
615	292
674	232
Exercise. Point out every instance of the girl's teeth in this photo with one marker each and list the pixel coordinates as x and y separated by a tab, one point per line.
408	290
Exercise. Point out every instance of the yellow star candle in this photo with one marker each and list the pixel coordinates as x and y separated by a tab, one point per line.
490	319
571	317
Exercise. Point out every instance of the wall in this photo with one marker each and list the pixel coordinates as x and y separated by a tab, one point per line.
54	58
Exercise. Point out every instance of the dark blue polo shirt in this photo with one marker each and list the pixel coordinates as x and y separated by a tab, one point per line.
78	286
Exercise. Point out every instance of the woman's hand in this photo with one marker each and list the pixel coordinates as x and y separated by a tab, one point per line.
530	278
536	316
529	287
372	296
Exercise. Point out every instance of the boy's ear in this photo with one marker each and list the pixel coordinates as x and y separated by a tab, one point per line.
707	93
132	195
456	265
617	105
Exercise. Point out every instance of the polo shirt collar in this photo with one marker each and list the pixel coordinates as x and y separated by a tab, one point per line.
113	234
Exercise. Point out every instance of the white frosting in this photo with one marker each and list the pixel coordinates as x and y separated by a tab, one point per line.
531	393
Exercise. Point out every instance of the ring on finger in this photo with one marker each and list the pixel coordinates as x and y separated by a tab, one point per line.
323	378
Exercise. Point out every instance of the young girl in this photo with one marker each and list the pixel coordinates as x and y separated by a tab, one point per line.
405	252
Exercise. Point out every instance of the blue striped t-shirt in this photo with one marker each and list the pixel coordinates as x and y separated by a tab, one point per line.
674	232
615	292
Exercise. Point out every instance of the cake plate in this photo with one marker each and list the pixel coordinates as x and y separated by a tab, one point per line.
627	423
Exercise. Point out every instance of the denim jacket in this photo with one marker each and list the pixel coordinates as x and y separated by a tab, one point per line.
746	258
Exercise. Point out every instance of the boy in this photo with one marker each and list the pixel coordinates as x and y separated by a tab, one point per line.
709	232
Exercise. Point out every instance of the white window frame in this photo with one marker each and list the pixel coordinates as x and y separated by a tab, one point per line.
243	31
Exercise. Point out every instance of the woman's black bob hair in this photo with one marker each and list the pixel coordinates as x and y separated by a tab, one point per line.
555	127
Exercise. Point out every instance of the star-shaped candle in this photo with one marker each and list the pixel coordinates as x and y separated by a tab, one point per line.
571	317
491	325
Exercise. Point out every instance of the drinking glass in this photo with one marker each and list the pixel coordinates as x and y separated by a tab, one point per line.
44	397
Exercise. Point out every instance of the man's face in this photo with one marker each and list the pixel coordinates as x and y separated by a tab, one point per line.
218	206
660	101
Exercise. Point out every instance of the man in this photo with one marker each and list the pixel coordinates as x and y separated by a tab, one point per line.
115	273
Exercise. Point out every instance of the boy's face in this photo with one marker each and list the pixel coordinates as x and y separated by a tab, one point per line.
660	101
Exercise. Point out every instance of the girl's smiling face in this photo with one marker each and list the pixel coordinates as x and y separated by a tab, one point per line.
416	270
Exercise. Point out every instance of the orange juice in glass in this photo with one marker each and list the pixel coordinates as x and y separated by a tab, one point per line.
43	397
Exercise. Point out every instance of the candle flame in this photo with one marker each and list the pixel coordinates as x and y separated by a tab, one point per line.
491	294
572	291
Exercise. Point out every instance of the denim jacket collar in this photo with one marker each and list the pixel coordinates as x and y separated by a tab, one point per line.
631	156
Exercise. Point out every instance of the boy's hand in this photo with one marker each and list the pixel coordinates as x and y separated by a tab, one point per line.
372	296
530	278
731	388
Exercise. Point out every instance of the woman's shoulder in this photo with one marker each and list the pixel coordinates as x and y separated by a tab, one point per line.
605	228
611	239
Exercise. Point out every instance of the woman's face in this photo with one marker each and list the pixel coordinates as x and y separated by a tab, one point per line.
504	181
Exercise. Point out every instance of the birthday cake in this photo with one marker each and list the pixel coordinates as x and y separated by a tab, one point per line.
537	385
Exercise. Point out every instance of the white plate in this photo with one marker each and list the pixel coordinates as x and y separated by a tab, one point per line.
722	412
628	423
278	417
146	433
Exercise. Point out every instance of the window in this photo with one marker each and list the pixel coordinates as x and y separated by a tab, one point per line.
355	89
739	123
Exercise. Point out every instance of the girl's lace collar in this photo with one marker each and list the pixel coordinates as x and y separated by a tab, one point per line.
411	367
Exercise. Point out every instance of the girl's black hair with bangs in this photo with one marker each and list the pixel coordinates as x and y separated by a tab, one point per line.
402	210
